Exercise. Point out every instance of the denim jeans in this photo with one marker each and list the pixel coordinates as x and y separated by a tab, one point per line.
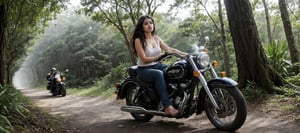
155	74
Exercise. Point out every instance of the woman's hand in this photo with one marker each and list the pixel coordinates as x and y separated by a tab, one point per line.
161	55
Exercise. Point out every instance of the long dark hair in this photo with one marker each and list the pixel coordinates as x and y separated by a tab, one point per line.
138	32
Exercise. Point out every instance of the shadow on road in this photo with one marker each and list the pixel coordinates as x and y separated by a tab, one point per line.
132	126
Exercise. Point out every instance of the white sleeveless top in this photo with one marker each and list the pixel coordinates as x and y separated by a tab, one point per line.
150	52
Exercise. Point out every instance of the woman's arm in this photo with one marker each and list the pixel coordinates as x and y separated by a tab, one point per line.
166	48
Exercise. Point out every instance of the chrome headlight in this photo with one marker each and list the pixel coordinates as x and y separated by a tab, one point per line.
203	59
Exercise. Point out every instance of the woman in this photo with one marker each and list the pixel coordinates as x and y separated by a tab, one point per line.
147	47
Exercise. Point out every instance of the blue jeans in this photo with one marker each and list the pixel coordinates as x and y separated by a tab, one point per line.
155	74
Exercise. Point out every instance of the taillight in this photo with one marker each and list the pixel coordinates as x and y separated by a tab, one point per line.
117	86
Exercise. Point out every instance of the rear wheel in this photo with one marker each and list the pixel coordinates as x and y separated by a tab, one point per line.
232	113
132	101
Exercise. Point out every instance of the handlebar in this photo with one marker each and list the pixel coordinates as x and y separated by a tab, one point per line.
166	55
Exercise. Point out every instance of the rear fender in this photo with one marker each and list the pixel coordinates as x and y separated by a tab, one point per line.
217	82
122	92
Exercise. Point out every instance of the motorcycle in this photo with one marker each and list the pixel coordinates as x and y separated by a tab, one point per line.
56	84
193	86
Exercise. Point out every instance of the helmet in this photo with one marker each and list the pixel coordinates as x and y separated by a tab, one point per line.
53	69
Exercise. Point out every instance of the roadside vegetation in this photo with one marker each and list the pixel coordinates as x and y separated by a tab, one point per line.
18	114
93	45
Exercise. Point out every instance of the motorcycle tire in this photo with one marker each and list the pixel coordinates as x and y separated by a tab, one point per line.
129	101
232	104
54	94
63	91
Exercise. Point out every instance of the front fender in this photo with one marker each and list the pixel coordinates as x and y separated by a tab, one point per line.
228	82
217	82
122	92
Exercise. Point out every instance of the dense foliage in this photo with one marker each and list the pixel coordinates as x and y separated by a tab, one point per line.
11	105
21	22
76	43
88	49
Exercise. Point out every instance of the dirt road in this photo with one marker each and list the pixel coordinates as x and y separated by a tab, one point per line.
99	115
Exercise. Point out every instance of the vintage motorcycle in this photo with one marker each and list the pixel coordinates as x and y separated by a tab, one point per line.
56	84
191	90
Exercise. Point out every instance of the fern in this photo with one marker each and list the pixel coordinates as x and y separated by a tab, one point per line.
10	105
278	56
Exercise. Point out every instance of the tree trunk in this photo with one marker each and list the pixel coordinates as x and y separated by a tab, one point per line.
251	60
223	41
3	40
289	34
268	22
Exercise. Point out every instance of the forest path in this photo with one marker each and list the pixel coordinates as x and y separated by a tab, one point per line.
96	114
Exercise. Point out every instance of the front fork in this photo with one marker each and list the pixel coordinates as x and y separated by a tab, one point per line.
204	82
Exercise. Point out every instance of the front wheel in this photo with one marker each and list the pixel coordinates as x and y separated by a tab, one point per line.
232	112
131	100
63	91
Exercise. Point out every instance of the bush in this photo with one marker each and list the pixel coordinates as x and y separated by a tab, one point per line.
252	92
105	85
117	74
11	104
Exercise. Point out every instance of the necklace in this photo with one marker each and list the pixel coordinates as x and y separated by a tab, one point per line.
151	42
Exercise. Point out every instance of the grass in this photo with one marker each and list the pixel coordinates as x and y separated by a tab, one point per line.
92	91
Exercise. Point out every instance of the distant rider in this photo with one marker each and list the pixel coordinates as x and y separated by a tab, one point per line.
51	78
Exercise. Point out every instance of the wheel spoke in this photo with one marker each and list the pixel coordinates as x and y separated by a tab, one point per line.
227	112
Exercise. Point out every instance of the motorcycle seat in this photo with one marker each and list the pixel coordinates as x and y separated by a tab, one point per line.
132	71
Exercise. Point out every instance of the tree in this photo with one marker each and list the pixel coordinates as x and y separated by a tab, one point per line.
26	19
289	34
85	47
3	39
268	22
251	60
223	40
219	27
122	14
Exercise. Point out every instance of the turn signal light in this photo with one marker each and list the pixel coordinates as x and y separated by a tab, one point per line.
215	63
196	74
223	74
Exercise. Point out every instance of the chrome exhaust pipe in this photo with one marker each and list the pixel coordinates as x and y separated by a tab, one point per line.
141	110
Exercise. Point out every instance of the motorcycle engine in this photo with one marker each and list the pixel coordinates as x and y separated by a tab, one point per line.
150	96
